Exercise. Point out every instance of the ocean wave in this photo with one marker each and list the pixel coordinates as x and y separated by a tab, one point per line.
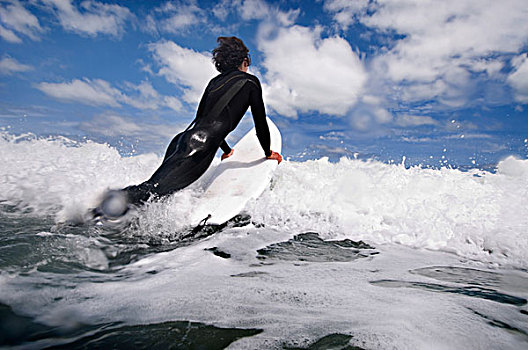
475	214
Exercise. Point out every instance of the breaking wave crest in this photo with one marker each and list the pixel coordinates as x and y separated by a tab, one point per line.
475	214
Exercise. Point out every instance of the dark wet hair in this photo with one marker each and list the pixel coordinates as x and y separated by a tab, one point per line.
229	54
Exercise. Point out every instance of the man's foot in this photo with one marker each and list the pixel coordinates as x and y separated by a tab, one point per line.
114	204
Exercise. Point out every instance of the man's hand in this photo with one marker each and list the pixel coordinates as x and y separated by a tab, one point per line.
276	156
224	156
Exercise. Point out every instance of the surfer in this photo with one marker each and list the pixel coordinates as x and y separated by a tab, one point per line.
226	99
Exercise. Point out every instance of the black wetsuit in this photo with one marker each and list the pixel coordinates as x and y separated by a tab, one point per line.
191	152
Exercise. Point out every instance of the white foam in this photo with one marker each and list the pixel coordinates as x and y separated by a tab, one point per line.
61	177
475	214
291	301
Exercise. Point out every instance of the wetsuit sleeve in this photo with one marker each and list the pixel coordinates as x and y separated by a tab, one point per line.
225	147
259	117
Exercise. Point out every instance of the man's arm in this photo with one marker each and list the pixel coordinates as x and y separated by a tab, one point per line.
225	147
259	117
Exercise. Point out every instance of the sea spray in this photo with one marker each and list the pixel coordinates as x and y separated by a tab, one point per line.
64	178
476	214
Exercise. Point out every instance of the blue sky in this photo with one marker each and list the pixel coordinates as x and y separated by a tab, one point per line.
436	81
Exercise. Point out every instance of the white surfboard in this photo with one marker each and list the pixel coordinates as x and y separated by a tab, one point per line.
237	179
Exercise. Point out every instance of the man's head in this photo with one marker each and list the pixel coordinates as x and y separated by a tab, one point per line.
231	54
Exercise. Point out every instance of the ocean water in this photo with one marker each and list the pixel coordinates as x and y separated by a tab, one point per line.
333	255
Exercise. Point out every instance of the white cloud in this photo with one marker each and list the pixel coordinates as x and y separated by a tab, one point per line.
490	66
249	10
369	113
414	139
91	18
9	65
518	79
469	136
221	9
93	92
15	20
254	9
345	11
146	97
99	92
307	73
112	125
175	17
188	69
173	103
441	44
260	10
9	35
406	120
